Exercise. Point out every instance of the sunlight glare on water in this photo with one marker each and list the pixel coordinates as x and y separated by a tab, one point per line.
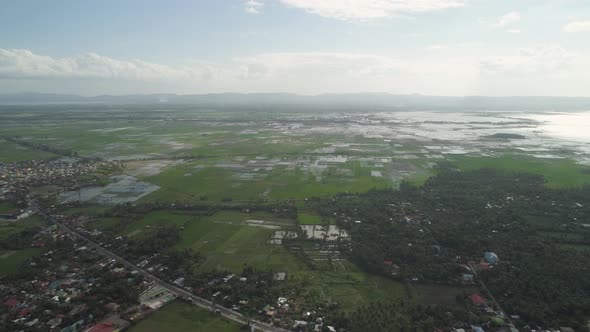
572	126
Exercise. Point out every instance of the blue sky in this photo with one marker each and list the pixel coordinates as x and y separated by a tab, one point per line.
442	47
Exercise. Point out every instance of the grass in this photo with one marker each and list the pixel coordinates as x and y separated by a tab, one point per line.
10	261
309	219
559	173
230	245
182	317
578	247
105	223
90	210
156	218
215	184
440	294
6	207
11	152
350	287
10	228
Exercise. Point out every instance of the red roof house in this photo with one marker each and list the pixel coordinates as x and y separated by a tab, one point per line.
477	300
103	327
11	302
24	312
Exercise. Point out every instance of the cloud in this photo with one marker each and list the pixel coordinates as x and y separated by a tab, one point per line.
19	63
514	31
461	69
546	60
580	26
437	47
359	10
508	19
253	7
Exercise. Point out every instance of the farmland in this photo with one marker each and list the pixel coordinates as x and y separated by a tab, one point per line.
184	318
230	192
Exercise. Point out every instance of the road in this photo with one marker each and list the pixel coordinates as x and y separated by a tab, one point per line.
179	292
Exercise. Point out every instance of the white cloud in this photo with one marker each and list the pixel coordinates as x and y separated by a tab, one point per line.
580	26
545	70
544	60
461	69
514	31
18	63
508	19
253	7
437	47
355	10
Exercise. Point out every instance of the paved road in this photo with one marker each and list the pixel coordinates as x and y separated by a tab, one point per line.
179	292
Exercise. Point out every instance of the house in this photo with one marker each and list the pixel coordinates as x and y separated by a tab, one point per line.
38	244
112	306
11	302
477	300
77	309
477	329
110	324
24	311
77	326
55	322
103	327
467	277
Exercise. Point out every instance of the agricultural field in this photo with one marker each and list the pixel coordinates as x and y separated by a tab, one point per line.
11	152
13	228
11	260
558	173
14	243
184	318
222	163
6	207
205	155
350	287
309	219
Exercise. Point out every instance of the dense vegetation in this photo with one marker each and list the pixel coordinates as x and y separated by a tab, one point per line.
455	217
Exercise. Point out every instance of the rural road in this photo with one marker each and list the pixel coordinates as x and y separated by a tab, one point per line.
179	292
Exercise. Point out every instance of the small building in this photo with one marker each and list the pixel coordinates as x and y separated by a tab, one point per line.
477	300
467	277
55	322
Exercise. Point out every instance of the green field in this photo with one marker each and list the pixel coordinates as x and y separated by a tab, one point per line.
182	317
10	152
10	261
9	228
6	207
228	243
349	287
309	219
156	218
558	173
212	183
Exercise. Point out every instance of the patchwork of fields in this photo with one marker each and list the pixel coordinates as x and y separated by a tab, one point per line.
205	157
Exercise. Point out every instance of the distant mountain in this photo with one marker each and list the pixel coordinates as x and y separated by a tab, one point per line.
353	101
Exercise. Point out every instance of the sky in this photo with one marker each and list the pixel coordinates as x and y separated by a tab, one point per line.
432	47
